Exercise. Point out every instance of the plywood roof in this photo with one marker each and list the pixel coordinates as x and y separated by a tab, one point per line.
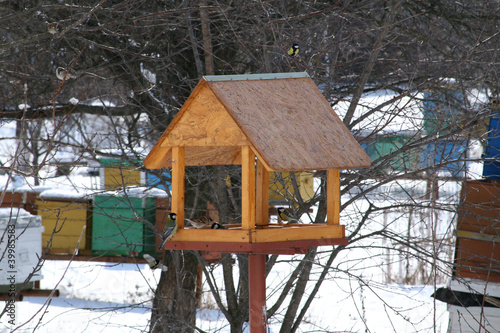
283	117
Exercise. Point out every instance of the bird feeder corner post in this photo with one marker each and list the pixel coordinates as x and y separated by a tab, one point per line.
247	188
178	175
262	195
257	292
333	196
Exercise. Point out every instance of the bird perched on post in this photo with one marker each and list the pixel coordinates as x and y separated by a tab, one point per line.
154	263
62	74
216	225
200	222
170	228
293	50
284	215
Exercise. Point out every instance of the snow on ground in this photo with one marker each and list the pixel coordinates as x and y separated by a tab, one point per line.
98	297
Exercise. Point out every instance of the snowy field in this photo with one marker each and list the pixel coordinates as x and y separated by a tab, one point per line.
100	297
97	297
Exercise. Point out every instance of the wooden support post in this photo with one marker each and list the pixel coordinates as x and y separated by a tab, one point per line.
257	292
333	196
178	175
247	188
262	195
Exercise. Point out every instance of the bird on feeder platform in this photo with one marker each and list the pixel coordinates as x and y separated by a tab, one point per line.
293	50
216	225
284	215
154	263
170	228
200	222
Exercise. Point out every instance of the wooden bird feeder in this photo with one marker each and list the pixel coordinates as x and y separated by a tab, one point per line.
263	122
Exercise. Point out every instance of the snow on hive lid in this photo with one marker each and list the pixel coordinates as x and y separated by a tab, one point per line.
18	216
66	194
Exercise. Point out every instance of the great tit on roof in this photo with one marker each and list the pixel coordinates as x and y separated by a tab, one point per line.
293	50
170	228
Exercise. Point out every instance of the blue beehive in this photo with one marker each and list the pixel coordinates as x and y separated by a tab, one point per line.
163	182
440	108
448	152
491	169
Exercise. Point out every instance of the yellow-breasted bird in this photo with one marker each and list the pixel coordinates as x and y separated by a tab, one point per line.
284	215
170	228
200	222
293	50
154	263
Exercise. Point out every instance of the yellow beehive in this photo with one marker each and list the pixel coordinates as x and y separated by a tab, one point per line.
66	222
281	186
116	173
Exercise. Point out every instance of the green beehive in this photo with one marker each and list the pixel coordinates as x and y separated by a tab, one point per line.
121	225
388	144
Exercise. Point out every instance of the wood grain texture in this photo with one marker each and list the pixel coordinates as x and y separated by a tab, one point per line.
287	122
484	219
207	123
476	259
265	235
198	156
261	195
178	184
481	192
157	157
64	222
302	232
290	124
247	188
333	196
290	248
211	235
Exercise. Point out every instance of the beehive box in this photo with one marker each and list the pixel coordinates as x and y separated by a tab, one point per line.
477	254
22	231
67	218
25	200
121	225
162	182
477	259
282	189
116	173
481	192
474	319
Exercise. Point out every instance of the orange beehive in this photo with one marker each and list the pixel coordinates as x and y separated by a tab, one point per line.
477	254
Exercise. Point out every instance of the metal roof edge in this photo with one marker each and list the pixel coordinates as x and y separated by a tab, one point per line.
244	77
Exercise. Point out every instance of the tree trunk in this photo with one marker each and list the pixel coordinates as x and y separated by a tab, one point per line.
299	291
174	305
